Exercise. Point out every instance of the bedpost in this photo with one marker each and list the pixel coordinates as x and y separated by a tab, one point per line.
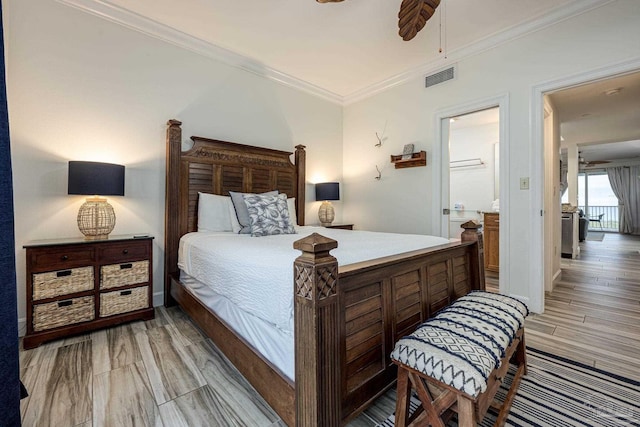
301	158
172	204
472	233
317	339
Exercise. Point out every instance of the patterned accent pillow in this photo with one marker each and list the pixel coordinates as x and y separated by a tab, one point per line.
241	209
268	215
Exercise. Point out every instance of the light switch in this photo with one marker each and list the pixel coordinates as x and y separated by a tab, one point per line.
524	183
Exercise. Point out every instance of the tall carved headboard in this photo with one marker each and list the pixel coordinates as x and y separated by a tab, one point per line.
217	167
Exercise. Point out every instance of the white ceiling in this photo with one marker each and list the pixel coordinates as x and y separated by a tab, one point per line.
604	126
345	47
346	50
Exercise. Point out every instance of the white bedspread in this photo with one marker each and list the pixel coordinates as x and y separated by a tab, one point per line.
256	273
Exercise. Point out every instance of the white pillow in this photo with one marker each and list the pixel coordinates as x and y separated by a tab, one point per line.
235	225
214	212
291	205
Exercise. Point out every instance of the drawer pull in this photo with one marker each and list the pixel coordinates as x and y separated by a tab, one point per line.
124	266
63	273
123	293
65	303
125	251
64	257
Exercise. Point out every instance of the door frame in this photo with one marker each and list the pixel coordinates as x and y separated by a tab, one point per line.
441	171
537	163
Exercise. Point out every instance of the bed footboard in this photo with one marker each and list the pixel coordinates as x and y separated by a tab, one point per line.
317	337
348	319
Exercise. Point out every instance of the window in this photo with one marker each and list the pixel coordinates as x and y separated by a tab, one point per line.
596	198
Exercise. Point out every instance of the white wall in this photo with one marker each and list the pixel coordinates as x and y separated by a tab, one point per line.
82	88
473	186
401	201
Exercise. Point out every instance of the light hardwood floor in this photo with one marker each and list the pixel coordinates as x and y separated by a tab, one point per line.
154	373
166	372
593	313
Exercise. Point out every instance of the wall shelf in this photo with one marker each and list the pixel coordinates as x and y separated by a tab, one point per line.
417	159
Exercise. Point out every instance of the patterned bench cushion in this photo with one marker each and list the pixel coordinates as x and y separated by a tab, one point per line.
465	341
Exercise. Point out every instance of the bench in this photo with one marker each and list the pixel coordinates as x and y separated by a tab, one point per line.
457	360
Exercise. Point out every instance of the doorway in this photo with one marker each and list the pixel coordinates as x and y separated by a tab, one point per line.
592	80
474	182
474	167
451	209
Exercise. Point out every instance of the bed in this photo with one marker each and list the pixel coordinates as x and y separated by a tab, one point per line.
347	317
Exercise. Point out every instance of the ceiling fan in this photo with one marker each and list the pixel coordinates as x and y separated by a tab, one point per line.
412	17
583	162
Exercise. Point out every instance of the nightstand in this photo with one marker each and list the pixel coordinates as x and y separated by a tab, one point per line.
76	285
340	226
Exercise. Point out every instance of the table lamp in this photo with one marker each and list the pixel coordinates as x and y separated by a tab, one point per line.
96	218
326	191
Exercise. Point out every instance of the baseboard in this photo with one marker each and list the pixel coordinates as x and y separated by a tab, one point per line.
158	299
22	326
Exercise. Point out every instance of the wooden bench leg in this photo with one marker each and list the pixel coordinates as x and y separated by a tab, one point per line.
433	408
466	412
521	360
521	354
403	397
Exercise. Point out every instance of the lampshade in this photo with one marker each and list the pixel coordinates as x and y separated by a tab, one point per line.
327	191
96	217
96	179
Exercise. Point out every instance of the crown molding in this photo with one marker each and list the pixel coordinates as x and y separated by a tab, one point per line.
144	25
136	22
491	41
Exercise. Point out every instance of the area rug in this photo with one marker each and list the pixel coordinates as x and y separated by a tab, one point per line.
595	236
558	392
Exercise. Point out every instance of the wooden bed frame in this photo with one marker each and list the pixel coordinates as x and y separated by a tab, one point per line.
347	319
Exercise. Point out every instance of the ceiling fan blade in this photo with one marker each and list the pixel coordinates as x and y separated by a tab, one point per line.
328	1
413	16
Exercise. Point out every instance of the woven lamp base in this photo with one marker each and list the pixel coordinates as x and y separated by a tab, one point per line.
96	218
326	214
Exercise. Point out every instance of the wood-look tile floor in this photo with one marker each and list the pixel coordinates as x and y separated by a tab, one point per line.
162	372
165	372
593	313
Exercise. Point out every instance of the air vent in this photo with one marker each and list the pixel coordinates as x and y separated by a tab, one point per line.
439	77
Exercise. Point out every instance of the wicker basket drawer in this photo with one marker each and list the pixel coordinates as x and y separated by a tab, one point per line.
63	313
118	302
62	282
114	275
